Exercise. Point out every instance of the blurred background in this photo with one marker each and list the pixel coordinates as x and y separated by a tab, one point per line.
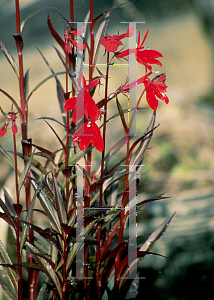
180	161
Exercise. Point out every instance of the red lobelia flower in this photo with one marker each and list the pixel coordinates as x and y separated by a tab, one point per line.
156	89
131	85
143	55
111	42
90	108
88	133
79	46
11	116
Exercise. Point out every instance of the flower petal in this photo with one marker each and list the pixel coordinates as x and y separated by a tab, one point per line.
14	128
97	139
3	130
70	103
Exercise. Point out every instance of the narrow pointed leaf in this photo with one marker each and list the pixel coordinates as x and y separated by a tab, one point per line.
36	12
75	158
27	219
138	156
47	206
9	202
100	32
156	234
5	259
10	218
42	82
10	58
60	206
26	83
8	158
25	171
46	267
122	116
34	162
77	245
7	285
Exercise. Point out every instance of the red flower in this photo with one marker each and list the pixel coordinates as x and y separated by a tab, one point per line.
90	108
111	42
88	133
11	116
143	55
131	85
3	129
79	46
156	89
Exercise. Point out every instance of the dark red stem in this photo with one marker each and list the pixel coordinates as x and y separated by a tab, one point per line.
19	256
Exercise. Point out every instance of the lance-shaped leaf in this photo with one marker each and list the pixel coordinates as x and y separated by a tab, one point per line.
122	116
76	246
109	240
139	154
7	216
26	171
10	58
46	267
7	285
42	82
8	158
45	290
34	162
47	205
61	43
156	234
5	259
75	158
27	219
36	12
60	206
9	202
108	182
100	32
147	246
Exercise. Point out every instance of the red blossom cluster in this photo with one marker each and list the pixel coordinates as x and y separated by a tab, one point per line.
155	89
88	132
11	116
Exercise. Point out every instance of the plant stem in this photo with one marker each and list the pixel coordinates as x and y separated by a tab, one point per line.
88	159
19	256
97	266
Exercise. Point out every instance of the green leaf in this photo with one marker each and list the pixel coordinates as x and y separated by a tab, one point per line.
60	206
26	83
122	116
5	259
44	292
73	159
46	267
100	32
8	158
36	12
7	212
10	58
47	206
28	217
26	171
139	154
42	82
7	285
70	179
108	182
156	234
75	247
34	162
